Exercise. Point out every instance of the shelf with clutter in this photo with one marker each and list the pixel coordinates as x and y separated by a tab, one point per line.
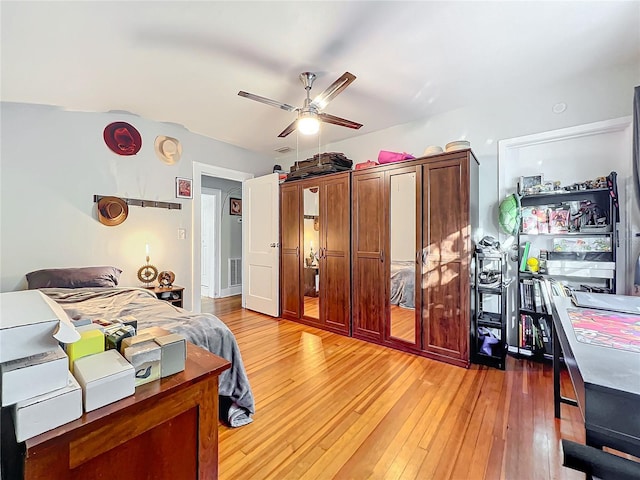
567	241
489	303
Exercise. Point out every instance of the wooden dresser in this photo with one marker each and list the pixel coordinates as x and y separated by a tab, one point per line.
168	429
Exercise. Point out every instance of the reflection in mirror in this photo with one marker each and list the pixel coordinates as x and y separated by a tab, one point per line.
402	213
311	246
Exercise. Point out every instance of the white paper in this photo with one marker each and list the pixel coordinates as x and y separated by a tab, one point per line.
66	331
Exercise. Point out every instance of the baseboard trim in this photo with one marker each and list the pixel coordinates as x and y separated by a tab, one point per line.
231	291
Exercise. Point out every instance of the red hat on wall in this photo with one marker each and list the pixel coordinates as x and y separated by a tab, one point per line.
122	138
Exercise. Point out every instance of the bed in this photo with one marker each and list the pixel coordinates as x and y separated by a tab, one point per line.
92	293
403	283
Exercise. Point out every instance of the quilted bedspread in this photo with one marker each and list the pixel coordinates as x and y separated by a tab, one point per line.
202	329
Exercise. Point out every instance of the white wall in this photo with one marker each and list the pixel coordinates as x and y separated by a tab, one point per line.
54	161
589	98
402	214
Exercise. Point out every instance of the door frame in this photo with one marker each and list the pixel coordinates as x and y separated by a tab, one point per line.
509	168
216	271
199	170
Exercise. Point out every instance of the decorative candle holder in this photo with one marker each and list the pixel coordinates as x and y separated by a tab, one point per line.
147	273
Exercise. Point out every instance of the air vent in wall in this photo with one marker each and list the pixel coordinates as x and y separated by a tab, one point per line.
284	150
235	272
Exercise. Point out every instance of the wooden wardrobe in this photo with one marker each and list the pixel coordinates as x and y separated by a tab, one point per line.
315	272
414	220
391	253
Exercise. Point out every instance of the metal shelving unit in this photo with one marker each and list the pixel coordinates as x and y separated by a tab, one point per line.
489	319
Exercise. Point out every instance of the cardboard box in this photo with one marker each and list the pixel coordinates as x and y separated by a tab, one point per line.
90	343
116	333
105	378
174	354
32	376
80	322
31	323
90	326
45	412
130	341
145	358
154	331
128	320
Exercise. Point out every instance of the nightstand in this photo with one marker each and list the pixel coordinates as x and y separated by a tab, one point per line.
170	294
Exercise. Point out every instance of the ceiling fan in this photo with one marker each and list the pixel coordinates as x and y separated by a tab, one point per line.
309	115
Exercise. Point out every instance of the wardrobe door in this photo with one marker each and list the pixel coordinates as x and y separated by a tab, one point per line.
403	325
445	279
290	265
369	233
311	248
335	261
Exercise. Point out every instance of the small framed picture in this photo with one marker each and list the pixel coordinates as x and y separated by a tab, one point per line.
235	206
183	188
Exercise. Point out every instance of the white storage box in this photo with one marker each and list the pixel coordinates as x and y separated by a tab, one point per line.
581	268
145	358
32	376
31	323
174	353
581	264
46	412
105	378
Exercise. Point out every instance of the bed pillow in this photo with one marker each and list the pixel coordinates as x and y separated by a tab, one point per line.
74	277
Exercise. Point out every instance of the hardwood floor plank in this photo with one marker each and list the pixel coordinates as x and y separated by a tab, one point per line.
389	465
330	406
346	445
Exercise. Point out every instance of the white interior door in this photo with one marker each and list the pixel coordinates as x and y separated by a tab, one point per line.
206	237
260	241
210	243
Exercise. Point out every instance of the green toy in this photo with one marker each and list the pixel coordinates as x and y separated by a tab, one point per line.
509	214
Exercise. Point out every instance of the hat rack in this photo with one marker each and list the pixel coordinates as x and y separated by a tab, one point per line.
144	203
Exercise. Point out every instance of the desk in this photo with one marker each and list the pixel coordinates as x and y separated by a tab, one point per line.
606	381
167	429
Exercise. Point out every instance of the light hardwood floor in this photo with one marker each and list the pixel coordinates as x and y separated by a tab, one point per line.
330	406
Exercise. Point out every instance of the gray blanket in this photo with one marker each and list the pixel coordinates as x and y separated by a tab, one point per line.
402	284
202	329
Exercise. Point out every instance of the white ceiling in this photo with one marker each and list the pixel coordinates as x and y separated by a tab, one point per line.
184	62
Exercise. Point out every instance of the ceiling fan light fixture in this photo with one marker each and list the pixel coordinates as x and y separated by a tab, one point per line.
308	123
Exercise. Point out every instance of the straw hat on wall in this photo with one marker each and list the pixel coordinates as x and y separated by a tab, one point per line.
112	211
168	149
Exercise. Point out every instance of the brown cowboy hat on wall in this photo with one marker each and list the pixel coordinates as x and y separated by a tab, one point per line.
122	138
112	211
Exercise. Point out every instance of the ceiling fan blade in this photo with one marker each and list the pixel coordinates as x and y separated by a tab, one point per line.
289	129
326	118
268	101
333	90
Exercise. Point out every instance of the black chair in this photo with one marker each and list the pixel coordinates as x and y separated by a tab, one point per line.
598	463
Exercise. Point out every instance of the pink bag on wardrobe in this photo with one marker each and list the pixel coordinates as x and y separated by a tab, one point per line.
388	157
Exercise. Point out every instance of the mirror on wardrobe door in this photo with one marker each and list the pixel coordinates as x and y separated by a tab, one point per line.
402	214
311	254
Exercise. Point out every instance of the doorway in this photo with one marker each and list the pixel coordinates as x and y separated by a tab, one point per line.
204	171
210	242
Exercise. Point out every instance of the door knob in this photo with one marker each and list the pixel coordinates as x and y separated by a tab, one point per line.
273	245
